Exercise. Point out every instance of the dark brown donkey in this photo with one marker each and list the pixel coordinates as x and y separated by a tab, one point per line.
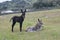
18	19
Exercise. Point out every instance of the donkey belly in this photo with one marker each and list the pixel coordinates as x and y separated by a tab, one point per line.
30	29
17	19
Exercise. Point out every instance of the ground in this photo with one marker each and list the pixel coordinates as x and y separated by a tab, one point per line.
51	30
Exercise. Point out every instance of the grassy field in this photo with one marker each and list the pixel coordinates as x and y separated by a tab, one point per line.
51	30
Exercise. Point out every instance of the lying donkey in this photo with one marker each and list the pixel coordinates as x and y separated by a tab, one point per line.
37	27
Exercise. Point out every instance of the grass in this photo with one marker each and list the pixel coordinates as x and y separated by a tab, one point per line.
51	30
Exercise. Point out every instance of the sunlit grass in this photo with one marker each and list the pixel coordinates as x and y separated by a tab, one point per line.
51	30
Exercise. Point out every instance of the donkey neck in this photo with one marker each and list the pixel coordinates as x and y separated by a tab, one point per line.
23	16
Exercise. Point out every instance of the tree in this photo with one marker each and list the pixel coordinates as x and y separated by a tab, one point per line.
45	3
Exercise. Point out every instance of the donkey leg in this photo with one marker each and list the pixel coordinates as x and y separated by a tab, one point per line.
20	27
13	25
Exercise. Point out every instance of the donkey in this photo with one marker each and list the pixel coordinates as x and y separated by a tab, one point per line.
37	27
18	19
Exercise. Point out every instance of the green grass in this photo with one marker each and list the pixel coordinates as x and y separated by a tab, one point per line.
51	30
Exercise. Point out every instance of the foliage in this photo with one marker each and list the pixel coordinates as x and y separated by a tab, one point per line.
35	4
45	3
15	4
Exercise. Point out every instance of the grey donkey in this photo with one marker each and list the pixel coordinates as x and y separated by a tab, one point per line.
35	28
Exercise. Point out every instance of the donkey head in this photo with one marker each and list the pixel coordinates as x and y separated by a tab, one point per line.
23	12
40	21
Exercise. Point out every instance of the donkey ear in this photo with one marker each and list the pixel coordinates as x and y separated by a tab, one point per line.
21	10
39	20
25	10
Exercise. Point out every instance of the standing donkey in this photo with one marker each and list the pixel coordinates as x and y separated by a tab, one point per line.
18	19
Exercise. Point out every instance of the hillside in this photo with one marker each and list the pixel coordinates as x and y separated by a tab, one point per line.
51	23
